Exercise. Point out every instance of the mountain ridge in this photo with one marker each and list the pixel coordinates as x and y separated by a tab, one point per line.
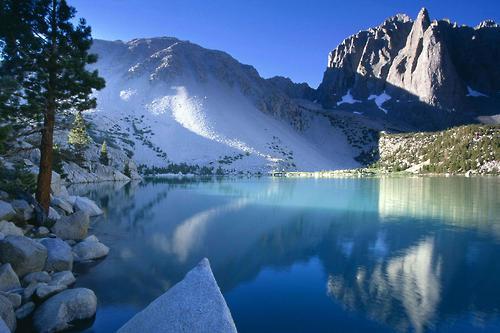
436	73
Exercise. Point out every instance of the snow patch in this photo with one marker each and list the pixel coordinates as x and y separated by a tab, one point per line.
348	99
380	100
125	95
473	93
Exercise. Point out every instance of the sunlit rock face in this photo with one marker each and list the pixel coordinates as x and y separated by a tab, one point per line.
423	65
410	281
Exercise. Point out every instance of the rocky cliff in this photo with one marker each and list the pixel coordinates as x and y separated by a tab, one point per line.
427	73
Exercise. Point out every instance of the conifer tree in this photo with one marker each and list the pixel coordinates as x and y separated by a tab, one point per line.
78	136
103	158
43	59
126	170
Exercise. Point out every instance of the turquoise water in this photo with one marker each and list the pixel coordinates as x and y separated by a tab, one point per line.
307	255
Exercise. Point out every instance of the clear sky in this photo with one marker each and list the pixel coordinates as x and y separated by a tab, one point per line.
278	37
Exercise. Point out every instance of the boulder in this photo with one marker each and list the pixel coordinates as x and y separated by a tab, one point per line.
14	298
65	278
56	184
25	310
7	313
9	228
24	254
7	212
23	209
74	226
193	305
63	193
57	313
45	291
36	277
62	204
53	214
3	327
88	206
90	249
42	231
4	195
59	256
30	290
8	278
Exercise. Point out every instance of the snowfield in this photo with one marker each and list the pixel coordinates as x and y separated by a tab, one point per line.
172	101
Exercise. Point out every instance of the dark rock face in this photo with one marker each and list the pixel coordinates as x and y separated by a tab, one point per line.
362	62
292	89
426	67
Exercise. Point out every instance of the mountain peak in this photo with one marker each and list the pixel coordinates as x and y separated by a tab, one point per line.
423	20
420	65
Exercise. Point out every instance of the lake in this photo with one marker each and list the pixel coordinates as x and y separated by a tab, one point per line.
389	254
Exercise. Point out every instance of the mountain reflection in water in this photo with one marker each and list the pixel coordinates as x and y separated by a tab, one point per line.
297	255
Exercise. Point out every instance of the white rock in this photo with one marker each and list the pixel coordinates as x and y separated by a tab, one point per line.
63	204
90	249
53	214
193	305
88	206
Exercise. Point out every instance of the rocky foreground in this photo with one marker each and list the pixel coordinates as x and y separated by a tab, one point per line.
36	263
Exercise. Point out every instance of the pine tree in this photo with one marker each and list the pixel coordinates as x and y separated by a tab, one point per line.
103	158
78	136
126	170
43	65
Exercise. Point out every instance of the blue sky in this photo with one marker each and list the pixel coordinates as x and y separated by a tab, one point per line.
278	37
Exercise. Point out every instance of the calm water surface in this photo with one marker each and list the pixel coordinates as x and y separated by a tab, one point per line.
306	255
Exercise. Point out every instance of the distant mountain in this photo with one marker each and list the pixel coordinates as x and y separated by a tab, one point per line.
429	74
169	101
172	101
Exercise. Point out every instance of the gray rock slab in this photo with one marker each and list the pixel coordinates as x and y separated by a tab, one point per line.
24	254
8	278
6	211
59	255
3	327
74	226
9	228
193	305
58	312
88	206
7	313
90	249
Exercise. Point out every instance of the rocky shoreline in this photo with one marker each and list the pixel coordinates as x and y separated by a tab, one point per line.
368	172
36	263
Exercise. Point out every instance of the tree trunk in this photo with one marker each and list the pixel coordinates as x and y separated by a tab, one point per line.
47	142
46	150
